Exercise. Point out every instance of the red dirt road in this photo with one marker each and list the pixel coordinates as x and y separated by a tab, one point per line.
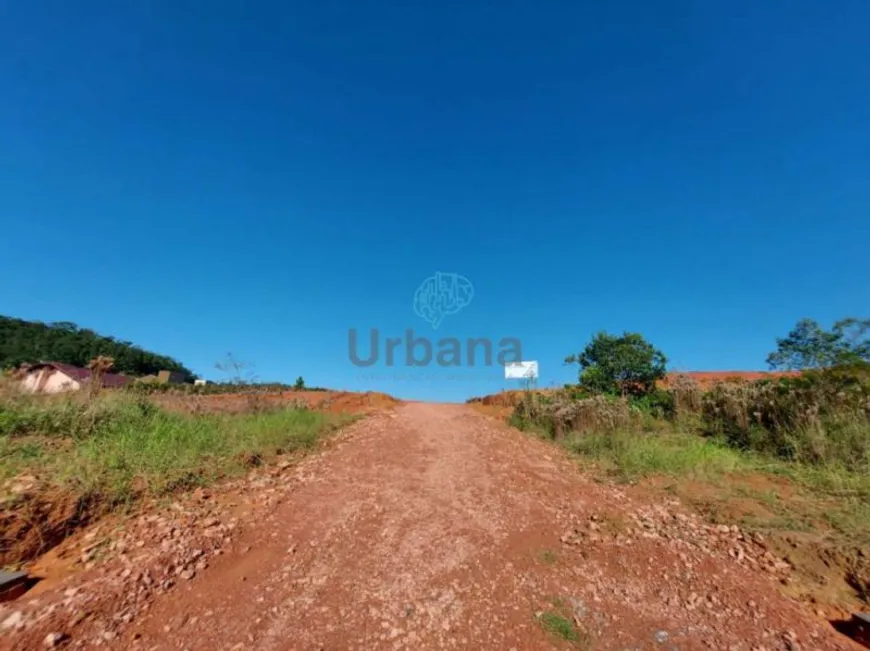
433	527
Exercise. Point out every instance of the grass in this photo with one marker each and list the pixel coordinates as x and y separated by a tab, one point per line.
636	454
120	447
557	622
830	493
559	626
817	514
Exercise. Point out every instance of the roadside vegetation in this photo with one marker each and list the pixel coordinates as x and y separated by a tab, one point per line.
217	388
786	455
67	458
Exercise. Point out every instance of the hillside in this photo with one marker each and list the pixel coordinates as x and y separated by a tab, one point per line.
705	379
23	342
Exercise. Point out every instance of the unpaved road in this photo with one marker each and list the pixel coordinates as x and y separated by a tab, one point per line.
433	527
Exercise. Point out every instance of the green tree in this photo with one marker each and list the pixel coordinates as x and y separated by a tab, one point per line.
619	365
300	384
809	345
24	342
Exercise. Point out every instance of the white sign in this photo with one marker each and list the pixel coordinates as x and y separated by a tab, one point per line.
521	370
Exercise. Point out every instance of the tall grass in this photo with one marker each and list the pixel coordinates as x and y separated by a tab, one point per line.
119	446
811	432
820	418
637	454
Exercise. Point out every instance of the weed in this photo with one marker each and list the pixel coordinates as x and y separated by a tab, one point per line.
560	626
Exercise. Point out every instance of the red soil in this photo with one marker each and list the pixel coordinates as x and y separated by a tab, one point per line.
709	378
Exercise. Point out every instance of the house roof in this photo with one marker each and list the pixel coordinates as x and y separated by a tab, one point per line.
109	380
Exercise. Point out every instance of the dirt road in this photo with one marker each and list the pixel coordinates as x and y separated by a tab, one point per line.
433	527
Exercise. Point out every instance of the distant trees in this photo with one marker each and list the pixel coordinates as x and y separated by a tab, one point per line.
26	342
809	345
300	384
621	365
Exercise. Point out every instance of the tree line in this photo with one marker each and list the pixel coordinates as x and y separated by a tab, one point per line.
28	342
629	365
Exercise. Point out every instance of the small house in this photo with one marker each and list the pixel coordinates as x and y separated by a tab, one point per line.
55	377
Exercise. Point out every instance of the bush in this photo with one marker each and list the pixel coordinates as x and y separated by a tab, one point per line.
658	404
687	396
819	417
560	413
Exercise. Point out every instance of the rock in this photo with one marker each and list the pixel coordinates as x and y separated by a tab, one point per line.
661	637
13	621
53	640
187	575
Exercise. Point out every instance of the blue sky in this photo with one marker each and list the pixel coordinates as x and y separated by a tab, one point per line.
204	177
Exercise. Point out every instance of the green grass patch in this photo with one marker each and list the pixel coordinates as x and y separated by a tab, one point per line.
559	626
826	494
638	454
120	446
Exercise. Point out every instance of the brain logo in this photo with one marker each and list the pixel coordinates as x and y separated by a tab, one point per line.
440	295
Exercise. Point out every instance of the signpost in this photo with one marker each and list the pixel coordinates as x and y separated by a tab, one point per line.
525	371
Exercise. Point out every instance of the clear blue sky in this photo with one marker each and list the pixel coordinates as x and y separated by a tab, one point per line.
259	177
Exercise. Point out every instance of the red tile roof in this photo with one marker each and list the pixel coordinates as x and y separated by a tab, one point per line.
109	380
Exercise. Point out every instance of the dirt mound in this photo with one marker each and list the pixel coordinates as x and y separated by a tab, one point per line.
707	379
231	403
506	398
353	403
498	405
34	522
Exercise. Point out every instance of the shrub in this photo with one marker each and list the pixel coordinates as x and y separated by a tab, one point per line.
687	395
559	413
819	417
660	403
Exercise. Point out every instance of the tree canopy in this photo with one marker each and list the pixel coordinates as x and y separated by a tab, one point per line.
809	345
25	342
623	365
